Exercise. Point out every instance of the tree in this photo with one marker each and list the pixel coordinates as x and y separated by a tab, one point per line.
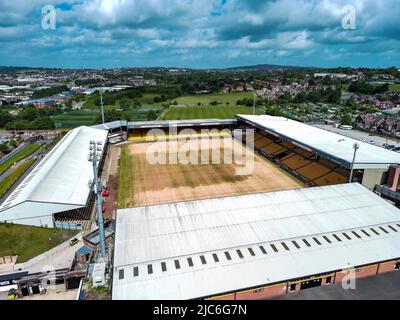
125	104
346	119
3	148
151	115
5	118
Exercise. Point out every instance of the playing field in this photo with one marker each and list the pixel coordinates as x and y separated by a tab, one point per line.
141	183
205	112
221	98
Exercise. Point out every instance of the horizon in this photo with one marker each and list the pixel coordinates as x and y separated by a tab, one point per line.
212	34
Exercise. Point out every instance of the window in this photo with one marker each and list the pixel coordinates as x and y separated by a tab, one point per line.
296	244
263	250
356	234
274	248
163	266
337	238
384	230
239	253
251	251
292	287
366	233
328	280
393	228
317	241
215	257
327	239
190	262
227	255
135	271
203	260
149	269
346	236
307	243
284	245
177	265
121	274
374	231
397	266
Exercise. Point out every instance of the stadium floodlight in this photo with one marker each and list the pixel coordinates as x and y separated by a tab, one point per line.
96	187
356	146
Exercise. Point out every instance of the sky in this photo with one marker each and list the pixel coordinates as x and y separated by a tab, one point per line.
199	33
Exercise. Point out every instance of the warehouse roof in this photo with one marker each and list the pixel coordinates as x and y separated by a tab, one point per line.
201	248
61	178
326	143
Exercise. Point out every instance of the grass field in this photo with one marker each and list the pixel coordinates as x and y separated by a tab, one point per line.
19	156
76	118
9	181
394	88
205	112
142	183
87	117
221	98
28	242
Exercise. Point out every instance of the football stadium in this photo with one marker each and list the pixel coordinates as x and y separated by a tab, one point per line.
305	216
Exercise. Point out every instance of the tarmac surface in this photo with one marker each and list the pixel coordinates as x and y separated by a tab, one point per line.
359	135
381	287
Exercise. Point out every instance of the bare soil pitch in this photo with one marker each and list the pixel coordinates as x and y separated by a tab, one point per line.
142	184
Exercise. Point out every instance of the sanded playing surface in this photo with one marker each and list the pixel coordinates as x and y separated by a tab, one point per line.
141	183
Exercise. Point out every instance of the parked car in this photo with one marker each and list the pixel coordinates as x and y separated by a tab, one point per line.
73	241
372	142
12	294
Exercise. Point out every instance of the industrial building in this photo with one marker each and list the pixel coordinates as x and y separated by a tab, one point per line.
254	246
57	188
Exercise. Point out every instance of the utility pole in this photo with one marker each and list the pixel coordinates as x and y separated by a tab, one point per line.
96	186
356	146
102	106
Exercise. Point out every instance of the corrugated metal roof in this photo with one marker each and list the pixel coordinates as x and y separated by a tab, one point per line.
62	176
328	143
279	223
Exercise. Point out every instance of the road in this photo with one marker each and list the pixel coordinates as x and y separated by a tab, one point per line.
359	135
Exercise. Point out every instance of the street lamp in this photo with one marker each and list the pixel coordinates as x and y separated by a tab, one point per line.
356	146
95	149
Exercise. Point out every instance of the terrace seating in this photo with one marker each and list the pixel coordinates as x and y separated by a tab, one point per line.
295	161
313	171
259	143
330	179
272	148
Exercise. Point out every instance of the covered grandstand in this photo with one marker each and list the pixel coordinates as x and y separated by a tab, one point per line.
254	246
317	156
57	188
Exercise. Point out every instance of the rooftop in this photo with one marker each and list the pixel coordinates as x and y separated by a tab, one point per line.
326	143
62	176
201	248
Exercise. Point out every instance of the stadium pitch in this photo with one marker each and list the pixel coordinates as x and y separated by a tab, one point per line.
142	183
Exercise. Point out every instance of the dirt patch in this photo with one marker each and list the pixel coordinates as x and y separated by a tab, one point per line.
142	183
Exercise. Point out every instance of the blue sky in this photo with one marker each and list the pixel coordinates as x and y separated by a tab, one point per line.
199	33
